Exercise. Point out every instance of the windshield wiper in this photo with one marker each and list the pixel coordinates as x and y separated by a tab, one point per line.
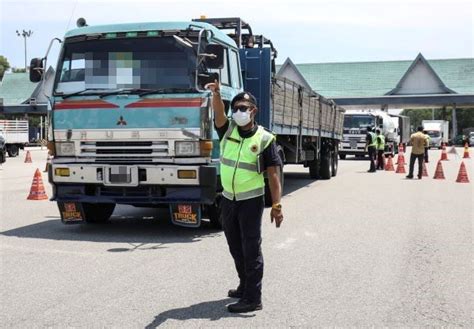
166	91
64	96
125	91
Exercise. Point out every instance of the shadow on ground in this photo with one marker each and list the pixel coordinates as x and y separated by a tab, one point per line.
212	311
135	226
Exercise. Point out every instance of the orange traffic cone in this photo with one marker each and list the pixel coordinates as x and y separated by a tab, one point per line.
462	174
444	155
400	148
425	171
389	164
439	173
48	162
466	152
443	146
28	157
401	159
400	168
37	191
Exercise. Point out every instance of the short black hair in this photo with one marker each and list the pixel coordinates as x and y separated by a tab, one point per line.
369	128
420	128
244	96
377	131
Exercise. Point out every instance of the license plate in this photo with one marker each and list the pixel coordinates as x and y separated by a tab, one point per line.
186	214
353	144
71	212
119	174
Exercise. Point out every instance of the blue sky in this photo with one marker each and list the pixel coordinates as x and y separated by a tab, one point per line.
306	31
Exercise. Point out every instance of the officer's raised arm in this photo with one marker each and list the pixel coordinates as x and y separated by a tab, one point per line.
217	104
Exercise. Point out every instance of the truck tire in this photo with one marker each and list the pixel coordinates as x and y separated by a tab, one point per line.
334	164
325	169
268	194
214	213
313	169
342	156
12	151
97	212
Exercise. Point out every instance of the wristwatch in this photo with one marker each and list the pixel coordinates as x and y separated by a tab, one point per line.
276	206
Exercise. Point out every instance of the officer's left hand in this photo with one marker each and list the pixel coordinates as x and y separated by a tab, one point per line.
276	215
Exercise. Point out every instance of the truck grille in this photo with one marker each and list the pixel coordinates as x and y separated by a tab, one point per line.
125	149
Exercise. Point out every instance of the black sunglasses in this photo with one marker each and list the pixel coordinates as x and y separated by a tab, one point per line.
241	108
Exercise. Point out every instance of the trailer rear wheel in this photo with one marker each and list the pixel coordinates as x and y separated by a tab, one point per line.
12	150
325	170
314	169
98	212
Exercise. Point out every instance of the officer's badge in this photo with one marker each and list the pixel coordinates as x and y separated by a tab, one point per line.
254	148
246	96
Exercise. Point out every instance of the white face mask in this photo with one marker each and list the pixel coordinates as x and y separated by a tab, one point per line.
241	118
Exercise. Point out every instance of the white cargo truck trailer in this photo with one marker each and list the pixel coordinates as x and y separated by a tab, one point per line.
15	133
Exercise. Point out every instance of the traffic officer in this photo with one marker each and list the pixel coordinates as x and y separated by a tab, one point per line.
247	150
370	146
380	149
427	145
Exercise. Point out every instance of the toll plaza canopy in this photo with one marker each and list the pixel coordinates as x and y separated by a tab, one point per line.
439	83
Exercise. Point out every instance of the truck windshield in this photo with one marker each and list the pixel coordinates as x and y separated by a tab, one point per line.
433	133
132	63
358	121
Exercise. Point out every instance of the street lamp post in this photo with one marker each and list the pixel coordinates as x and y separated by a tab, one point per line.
24	34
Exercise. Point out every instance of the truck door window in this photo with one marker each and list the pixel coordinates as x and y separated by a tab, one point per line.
235	69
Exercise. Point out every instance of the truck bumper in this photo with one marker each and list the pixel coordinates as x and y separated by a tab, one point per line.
140	185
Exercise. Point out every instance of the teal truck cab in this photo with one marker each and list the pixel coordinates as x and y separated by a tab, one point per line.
132	122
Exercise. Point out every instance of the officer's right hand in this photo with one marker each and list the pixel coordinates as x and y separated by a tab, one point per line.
213	86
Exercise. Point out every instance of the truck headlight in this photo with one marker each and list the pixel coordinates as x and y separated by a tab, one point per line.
186	148
65	148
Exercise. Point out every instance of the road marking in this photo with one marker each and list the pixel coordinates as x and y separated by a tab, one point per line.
286	244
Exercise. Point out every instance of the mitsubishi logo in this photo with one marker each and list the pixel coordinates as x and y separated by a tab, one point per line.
121	122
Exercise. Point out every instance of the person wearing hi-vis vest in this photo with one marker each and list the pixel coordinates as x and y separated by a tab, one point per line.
380	150
247	150
370	146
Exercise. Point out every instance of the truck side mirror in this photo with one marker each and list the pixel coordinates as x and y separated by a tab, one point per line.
214	56
36	69
205	78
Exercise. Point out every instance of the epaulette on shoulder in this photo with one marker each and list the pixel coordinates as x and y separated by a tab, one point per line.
268	130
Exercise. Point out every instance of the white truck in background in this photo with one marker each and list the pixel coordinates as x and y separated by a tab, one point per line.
15	133
438	130
355	131
402	129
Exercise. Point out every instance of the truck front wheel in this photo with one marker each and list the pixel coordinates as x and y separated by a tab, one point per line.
98	212
342	156
12	150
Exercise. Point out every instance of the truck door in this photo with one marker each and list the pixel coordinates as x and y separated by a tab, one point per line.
257	74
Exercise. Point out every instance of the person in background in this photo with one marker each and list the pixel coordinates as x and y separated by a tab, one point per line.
427	146
418	142
380	149
370	146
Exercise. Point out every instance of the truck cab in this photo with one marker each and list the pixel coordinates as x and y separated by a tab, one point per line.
132	122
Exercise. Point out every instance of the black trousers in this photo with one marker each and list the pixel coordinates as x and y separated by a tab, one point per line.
426	154
380	159
242	222
420	158
372	154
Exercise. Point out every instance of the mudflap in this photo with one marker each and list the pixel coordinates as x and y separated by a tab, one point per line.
188	215
71	212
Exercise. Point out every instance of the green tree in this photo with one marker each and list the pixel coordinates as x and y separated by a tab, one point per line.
18	70
4	66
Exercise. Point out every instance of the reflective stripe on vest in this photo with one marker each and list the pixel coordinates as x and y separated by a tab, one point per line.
381	145
238	167
374	139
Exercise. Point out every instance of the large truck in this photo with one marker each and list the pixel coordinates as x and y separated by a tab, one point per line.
355	131
15	133
402	129
438	130
132	122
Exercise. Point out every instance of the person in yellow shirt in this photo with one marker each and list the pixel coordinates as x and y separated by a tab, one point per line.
418	142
